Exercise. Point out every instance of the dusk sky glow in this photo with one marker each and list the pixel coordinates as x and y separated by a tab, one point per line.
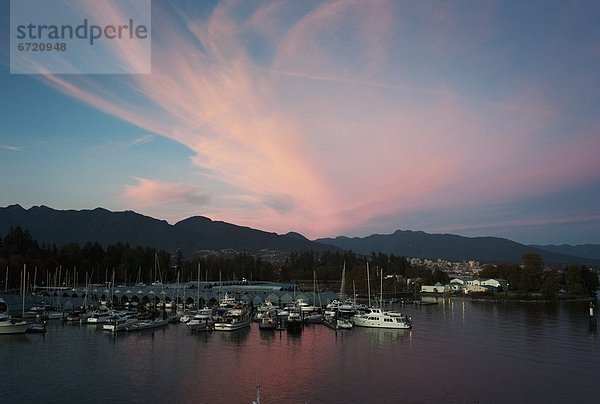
328	118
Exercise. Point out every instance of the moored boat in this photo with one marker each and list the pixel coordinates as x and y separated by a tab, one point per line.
100	316
147	325
378	318
235	315
314	317
294	322
37	328
268	321
119	322
202	321
9	325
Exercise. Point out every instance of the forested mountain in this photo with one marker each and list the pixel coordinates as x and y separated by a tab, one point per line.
590	251
191	235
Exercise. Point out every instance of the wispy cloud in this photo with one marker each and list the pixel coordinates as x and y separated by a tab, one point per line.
146	192
10	147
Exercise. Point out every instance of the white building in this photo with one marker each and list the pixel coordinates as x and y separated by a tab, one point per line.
496	283
437	288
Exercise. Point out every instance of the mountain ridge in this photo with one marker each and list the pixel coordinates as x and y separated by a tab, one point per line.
191	235
451	247
199	233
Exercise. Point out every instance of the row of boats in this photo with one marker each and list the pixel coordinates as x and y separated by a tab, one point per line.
230	315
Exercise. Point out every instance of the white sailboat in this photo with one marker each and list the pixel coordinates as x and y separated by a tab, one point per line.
9	325
333	318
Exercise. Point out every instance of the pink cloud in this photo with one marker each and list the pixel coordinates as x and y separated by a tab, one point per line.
148	192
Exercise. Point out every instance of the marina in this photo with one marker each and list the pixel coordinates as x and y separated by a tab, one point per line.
457	351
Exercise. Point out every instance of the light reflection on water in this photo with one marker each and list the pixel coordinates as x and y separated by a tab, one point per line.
458	351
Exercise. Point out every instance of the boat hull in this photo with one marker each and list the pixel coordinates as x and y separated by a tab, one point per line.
380	323
14	328
147	325
232	326
201	325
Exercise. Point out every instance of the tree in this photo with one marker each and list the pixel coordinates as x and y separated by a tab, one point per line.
581	280
489	271
551	285
532	273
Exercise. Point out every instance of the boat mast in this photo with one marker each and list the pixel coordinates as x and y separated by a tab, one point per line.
314	288
343	282
381	288
23	290
368	284
198	288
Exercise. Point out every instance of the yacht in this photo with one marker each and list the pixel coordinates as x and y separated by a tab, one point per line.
378	318
234	315
119	322
202	321
100	316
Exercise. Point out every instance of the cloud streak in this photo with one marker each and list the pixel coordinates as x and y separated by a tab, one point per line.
146	192
10	147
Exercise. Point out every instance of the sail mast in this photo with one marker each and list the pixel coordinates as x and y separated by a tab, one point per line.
368	284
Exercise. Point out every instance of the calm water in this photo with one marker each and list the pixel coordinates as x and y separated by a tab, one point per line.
458	352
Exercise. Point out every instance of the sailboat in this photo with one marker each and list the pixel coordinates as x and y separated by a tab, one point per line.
7	324
333	318
313	314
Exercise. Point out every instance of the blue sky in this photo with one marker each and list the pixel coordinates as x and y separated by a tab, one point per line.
328	118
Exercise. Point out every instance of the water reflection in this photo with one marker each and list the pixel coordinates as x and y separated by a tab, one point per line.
382	337
238	337
536	353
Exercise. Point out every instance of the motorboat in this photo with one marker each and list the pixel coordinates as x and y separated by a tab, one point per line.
268	320
378	318
147	325
119	322
100	316
313	317
202	321
234	315
294	322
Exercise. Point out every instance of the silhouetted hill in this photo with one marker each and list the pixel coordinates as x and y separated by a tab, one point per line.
191	235
217	235
448	246
590	251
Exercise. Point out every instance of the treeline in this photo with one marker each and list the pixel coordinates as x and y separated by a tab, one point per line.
72	263
530	277
327	268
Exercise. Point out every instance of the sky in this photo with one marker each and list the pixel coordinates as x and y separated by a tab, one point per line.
478	118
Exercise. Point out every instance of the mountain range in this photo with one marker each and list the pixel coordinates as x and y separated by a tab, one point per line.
458	248
198	234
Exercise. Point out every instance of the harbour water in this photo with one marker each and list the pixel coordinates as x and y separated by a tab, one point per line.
458	351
